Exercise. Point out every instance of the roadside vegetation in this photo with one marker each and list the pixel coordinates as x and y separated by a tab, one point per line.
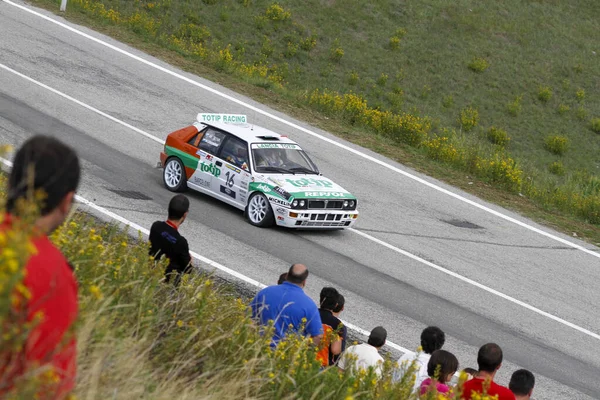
140	338
499	99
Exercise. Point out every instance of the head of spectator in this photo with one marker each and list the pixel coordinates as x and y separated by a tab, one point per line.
432	339
471	372
178	209
377	337
328	298
297	275
340	306
521	384
442	366
282	278
55	172
489	359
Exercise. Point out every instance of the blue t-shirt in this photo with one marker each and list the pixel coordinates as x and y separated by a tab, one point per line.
287	304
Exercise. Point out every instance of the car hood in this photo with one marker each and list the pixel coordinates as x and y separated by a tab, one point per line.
305	186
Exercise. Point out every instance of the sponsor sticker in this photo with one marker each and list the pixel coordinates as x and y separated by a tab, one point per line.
201	182
227	191
223	118
282	192
264	188
281	210
201	153
324	194
280	218
231	167
277	201
210	168
275	146
304	182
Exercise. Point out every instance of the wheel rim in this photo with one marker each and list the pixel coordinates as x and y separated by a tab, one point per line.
173	173
257	209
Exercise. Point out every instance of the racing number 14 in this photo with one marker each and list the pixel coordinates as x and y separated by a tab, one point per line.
229	178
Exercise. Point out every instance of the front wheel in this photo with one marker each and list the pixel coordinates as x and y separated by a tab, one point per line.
174	176
259	211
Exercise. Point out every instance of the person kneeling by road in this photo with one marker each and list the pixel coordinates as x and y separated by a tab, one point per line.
165	239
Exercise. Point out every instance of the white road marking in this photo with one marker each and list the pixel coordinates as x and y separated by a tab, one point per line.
300	128
205	260
366	236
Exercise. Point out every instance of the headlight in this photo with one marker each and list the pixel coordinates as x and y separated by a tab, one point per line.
295	203
349	204
301	203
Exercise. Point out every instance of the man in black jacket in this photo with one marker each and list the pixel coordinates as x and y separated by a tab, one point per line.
165	239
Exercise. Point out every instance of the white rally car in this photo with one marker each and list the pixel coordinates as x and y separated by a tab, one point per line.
263	173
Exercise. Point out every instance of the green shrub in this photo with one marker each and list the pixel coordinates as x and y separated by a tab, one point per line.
308	43
563	109
580	94
478	64
545	94
382	79
514	107
394	42
498	136
448	101
557	144
353	78
469	118
557	168
581	113
337	53
277	13
595	125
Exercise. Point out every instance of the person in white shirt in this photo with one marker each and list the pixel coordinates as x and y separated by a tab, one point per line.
365	355
432	339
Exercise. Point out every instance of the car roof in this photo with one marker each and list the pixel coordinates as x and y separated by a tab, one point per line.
249	132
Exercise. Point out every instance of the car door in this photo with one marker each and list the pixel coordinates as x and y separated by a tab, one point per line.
234	179
207	143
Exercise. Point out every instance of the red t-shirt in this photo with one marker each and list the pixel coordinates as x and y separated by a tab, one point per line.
476	384
53	288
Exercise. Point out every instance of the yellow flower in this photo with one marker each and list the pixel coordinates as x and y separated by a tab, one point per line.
180	323
95	290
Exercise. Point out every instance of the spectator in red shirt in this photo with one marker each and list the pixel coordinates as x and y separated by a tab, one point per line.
49	276
489	359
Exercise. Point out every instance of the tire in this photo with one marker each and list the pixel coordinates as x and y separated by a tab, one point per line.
259	211
174	176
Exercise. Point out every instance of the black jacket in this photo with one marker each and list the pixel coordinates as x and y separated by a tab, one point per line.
164	239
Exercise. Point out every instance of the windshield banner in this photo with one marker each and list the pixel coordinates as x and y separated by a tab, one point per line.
275	146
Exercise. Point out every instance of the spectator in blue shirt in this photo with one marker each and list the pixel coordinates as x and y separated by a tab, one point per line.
287	304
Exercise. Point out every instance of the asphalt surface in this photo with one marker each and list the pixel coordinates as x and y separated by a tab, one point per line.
381	286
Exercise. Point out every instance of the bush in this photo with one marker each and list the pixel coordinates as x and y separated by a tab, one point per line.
514	107
308	43
478	64
544	94
580	94
595	125
557	144
557	168
382	79
563	108
498	136
277	13
394	42
469	118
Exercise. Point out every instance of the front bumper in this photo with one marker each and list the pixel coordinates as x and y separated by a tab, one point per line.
320	219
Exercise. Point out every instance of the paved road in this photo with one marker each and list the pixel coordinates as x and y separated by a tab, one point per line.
381	285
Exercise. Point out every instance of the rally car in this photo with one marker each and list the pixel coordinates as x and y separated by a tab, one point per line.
263	173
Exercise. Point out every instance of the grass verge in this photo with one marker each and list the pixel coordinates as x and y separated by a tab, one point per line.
518	170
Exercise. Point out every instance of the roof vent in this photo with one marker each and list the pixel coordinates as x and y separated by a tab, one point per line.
268	137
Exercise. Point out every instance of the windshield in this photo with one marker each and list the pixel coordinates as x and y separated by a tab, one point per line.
282	158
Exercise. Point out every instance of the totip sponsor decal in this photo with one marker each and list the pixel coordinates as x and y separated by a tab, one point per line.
210	168
222	118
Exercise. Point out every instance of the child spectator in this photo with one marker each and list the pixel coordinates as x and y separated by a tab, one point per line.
441	367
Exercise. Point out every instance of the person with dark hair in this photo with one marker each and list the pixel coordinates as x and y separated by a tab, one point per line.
441	367
329	346
471	372
489	359
365	355
49	277
432	339
521	384
166	240
286	305
337	311
282	278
